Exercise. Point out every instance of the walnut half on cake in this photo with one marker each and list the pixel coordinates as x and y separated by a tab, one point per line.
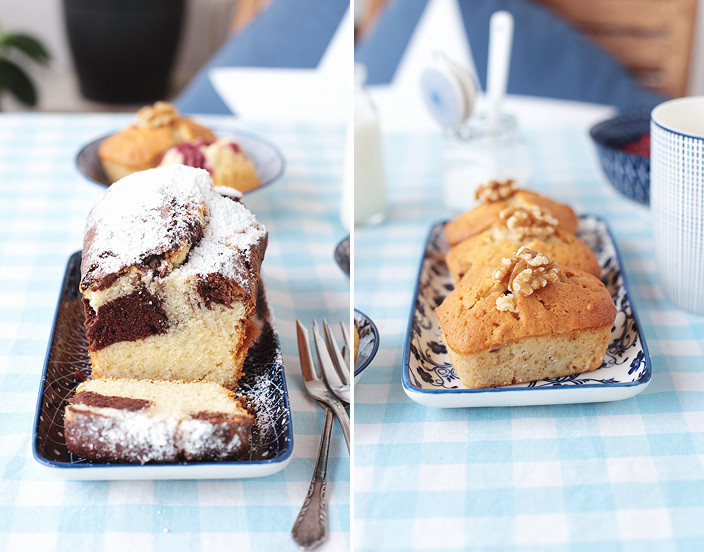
169	278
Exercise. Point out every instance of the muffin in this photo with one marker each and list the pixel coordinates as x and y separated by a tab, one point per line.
141	146
225	160
526	319
497	196
521	226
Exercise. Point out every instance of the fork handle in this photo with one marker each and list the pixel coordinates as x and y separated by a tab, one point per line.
343	418
311	526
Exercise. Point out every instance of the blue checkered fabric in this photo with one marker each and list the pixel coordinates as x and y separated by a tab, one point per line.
44	202
625	475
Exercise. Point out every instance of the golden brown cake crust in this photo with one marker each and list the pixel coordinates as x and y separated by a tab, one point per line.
490	246
471	322
250	333
484	216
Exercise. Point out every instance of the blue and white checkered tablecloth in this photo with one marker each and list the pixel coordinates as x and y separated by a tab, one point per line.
43	206
625	475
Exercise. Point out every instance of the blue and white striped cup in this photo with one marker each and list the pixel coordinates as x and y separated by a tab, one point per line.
677	199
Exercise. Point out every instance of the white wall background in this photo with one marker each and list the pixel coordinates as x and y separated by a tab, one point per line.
696	82
206	26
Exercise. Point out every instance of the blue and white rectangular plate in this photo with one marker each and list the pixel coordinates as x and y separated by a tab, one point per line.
67	364
429	379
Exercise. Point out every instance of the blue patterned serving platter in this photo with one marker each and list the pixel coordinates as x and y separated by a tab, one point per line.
68	363
429	379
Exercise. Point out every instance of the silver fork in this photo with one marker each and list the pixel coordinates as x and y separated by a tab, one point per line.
336	371
346	348
310	528
315	384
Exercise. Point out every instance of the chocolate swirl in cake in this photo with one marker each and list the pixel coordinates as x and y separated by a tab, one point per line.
162	222
169	278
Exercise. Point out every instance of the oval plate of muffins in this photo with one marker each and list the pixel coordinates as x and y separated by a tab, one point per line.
161	136
520	302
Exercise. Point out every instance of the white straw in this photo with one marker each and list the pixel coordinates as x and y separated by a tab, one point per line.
500	40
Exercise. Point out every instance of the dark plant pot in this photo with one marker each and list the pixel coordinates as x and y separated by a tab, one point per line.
124	49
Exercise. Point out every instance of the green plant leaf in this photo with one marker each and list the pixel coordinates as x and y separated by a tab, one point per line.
15	80
29	45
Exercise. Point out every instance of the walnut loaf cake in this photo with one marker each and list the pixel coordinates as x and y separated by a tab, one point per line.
169	278
131	420
521	226
495	196
526	319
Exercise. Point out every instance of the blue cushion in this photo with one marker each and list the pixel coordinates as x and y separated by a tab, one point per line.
289	33
550	58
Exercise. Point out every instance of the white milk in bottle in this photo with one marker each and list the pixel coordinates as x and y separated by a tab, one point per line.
370	202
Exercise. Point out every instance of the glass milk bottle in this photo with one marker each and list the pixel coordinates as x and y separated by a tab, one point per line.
348	179
370	202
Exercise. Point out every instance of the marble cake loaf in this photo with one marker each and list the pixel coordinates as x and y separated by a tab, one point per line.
138	420
169	278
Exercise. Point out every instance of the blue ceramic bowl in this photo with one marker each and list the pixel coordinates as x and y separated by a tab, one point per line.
368	342
628	172
342	255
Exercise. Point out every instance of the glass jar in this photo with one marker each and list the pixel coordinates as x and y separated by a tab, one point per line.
478	152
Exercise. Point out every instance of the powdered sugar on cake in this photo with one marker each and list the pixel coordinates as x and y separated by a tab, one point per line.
169	212
213	253
117	434
113	433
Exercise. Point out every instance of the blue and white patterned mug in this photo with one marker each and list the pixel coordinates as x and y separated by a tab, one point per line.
677	199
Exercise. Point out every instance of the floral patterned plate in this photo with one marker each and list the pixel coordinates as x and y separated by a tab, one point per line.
429	379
